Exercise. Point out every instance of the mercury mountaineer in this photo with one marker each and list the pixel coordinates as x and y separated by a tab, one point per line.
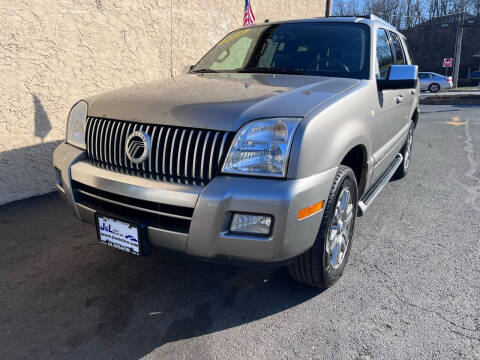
265	151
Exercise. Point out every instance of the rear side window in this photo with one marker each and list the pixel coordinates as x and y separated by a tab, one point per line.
384	54
397	47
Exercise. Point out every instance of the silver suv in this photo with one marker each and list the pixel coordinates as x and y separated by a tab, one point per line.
264	152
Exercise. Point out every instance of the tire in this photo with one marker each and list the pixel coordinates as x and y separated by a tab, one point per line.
314	267
433	88
407	154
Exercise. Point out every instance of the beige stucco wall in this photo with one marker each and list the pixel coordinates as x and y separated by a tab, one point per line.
54	52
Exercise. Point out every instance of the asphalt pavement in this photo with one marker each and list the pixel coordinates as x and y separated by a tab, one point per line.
411	289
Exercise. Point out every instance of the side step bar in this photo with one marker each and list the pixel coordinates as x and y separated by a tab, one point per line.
371	194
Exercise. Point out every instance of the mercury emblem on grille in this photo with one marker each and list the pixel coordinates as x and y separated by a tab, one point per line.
137	147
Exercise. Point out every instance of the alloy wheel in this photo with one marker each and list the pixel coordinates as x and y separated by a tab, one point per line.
340	230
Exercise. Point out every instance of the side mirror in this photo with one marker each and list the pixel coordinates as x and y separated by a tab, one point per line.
399	77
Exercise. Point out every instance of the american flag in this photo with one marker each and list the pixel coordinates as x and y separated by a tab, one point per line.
248	17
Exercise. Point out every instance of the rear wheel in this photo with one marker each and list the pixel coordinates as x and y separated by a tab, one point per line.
407	154
433	88
323	264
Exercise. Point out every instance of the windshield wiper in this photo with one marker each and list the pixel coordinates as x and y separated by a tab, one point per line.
204	71
269	70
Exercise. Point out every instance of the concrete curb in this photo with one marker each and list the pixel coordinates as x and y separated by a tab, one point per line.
451	100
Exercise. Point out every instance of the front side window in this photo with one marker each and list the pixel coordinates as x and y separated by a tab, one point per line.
426	75
310	48
397	47
384	54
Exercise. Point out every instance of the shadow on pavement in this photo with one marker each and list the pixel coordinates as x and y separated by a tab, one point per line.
66	296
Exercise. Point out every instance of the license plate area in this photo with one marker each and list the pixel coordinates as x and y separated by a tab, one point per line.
119	234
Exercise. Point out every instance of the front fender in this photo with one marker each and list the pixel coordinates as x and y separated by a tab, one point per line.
326	136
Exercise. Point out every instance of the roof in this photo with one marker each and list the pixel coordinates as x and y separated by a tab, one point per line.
368	19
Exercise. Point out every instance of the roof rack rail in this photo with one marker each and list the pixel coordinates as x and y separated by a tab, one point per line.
345	16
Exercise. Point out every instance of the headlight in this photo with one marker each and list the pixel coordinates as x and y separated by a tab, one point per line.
262	147
76	125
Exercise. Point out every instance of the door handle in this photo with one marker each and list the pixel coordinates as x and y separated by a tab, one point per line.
399	99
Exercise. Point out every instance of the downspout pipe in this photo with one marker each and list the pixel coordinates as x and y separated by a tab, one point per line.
328	8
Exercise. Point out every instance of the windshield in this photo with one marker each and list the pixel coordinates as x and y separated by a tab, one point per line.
326	49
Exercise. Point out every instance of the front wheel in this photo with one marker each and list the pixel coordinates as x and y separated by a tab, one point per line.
323	264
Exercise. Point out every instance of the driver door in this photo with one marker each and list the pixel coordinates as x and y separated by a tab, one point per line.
390	114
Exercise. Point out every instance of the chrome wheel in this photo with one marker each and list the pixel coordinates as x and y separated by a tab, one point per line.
340	230
408	148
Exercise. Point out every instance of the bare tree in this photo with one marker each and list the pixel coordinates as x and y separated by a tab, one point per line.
345	8
406	13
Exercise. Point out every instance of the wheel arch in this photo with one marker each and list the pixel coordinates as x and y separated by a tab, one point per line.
356	159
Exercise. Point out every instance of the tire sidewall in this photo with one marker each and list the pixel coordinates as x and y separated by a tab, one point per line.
331	275
402	171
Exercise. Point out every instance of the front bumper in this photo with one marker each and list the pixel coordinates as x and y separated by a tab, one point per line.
194	218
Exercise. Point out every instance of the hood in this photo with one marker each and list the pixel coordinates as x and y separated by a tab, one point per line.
217	101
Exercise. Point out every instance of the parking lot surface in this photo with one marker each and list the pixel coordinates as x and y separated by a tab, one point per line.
411	288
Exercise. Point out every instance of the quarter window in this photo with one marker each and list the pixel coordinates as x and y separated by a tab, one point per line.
397	47
384	54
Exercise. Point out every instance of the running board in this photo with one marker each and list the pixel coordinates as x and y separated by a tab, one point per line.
371	194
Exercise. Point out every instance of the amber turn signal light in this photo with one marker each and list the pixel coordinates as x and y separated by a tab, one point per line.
306	212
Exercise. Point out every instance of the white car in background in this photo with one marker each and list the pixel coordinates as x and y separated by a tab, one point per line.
434	82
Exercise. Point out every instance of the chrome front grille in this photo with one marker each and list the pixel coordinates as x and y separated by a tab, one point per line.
150	176
175	151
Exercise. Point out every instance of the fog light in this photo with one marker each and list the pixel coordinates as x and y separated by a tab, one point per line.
251	224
